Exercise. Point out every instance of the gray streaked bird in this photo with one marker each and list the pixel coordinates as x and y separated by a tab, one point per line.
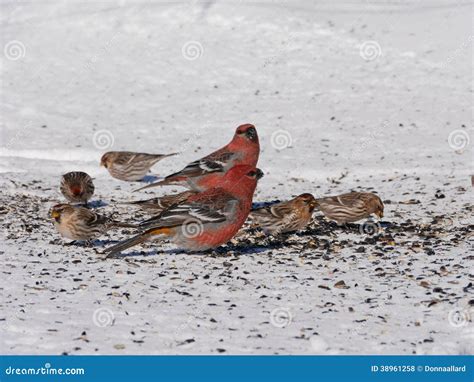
130	166
351	207
77	187
289	216
159	204
79	223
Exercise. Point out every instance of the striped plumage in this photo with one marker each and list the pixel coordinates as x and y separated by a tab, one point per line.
79	223
351	207
289	216
159	204
130	166
77	187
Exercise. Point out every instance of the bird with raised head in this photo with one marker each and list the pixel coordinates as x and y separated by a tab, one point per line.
205	173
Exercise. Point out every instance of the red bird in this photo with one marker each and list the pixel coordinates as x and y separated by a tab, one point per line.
207	172
204	220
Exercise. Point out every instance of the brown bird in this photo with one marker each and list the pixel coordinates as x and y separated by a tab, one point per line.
292	215
351	207
77	187
129	166
158	205
79	223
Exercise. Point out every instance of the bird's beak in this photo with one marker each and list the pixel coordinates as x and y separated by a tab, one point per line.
55	214
380	214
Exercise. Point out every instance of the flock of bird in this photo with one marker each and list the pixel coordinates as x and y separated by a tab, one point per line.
216	204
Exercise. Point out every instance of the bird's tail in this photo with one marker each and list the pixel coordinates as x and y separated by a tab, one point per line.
168	155
153	220
169	180
134	202
158	157
135	240
123	225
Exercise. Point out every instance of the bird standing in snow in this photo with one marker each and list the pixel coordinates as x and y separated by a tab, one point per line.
77	187
351	207
283	217
130	166
79	223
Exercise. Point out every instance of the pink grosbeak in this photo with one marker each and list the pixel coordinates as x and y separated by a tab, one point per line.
204	220
206	172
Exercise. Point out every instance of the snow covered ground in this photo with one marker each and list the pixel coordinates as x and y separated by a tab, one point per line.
346	95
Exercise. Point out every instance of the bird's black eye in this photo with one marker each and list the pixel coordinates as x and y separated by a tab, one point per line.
251	133
256	173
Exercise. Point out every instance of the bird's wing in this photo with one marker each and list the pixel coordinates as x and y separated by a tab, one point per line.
278	210
164	202
128	158
197	168
91	218
213	163
216	162
352	199
144	157
281	210
203	209
124	157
